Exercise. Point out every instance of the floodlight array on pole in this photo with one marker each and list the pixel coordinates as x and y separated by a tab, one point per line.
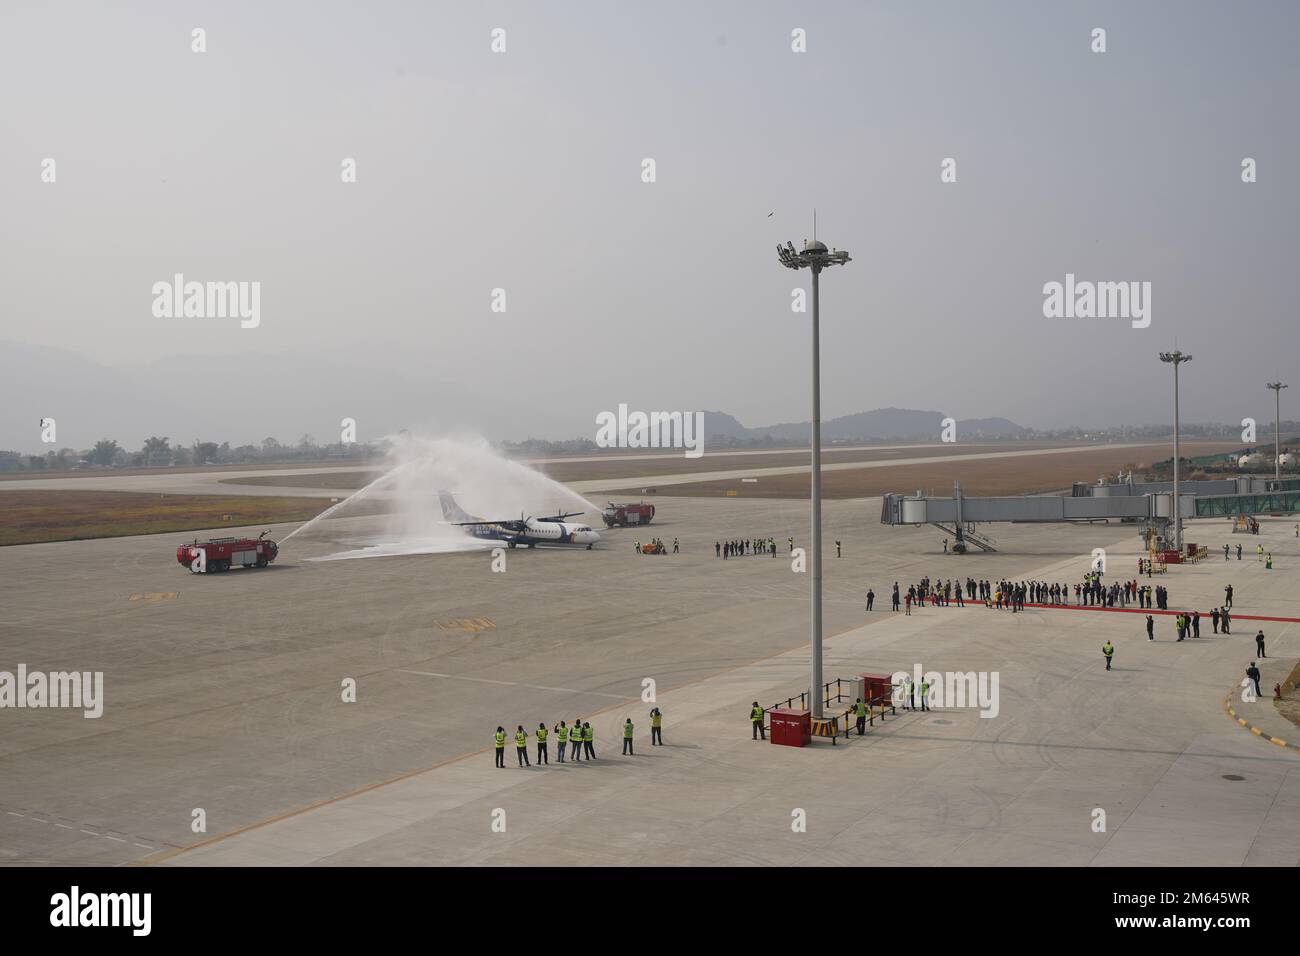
1175	359
815	256
1277	428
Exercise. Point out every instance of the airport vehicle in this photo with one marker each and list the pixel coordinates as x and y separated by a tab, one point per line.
525	530
630	514
221	554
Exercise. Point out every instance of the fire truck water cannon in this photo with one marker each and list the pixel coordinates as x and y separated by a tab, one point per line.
222	554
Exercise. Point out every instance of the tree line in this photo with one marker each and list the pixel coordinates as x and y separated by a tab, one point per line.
159	452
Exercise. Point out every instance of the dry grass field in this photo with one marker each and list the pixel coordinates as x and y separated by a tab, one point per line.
989	476
615	469
35	516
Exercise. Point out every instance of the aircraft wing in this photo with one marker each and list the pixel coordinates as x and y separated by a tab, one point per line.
561	517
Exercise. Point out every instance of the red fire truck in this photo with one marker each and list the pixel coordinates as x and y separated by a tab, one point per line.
624	515
221	554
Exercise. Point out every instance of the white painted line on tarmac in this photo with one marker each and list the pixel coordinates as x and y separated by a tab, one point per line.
509	683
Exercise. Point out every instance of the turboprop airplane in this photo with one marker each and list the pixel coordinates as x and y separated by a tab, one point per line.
525	530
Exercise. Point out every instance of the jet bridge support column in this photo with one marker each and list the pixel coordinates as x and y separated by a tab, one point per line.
959	545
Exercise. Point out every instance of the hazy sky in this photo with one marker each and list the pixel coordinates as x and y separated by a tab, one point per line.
522	170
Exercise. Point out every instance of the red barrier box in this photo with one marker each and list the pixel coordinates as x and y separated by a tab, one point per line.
790	728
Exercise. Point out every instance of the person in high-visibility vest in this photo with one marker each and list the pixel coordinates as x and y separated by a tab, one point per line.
521	746
656	728
925	691
562	738
501	746
860	709
588	736
627	736
756	721
1108	649
575	739
541	745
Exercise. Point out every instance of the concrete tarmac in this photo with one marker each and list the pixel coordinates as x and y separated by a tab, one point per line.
223	701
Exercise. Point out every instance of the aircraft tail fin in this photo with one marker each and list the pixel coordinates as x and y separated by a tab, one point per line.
452	511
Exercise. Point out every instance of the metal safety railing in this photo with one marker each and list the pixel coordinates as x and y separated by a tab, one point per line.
877	707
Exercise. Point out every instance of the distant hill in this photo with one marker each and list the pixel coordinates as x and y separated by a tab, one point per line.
882	424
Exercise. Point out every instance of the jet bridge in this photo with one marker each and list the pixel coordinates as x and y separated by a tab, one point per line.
958	515
1238	485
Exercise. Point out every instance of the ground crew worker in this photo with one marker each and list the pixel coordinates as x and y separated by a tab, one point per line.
501	746
656	728
756	721
675	548
541	745
925	690
837	547
521	746
1109	650
860	709
791	540
1259	643
1268	561
638	546
575	735
909	694
588	736
562	738
627	736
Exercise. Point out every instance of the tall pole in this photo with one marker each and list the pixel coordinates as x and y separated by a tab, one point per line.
1176	359
1277	429
815	256
816	501
1178	511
